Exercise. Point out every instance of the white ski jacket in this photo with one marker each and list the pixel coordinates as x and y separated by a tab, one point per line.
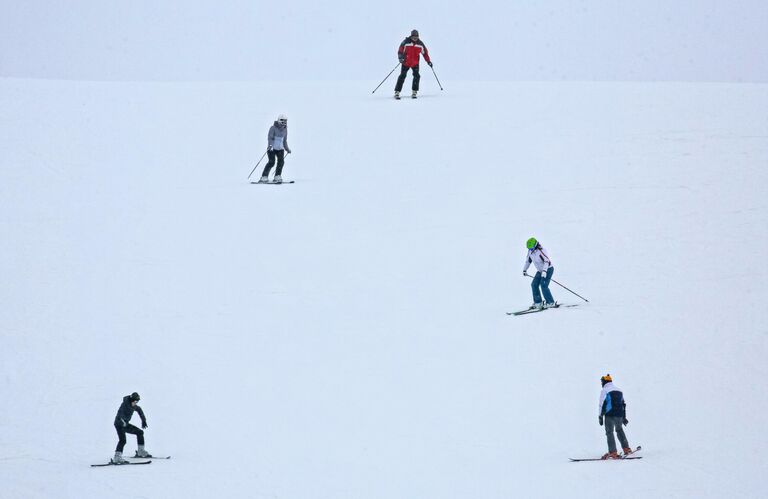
611	401
539	257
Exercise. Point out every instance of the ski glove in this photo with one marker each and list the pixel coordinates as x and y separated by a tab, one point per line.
625	421
144	424
269	148
600	420
543	273
287	150
401	59
430	64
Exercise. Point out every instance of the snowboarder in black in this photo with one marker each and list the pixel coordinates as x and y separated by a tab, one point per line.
123	426
613	413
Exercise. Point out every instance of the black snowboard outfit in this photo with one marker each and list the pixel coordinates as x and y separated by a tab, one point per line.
123	426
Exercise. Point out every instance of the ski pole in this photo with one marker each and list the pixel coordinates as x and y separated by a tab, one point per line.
563	288
385	79
257	165
436	78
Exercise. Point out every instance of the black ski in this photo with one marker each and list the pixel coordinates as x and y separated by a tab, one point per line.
273	183
600	459
535	310
528	311
113	464
150	457
622	457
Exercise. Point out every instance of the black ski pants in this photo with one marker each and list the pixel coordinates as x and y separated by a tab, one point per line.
280	155
401	79
122	430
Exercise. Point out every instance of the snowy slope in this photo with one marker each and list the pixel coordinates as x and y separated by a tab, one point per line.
203	40
345	336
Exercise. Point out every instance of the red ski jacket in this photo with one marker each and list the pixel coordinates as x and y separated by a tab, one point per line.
409	52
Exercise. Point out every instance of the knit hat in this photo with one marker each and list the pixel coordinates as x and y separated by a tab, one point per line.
414	32
606	379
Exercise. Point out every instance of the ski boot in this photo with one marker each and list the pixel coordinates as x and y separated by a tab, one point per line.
142	452
278	179
264	179
627	451
536	306
611	455
397	95
550	305
413	94
118	459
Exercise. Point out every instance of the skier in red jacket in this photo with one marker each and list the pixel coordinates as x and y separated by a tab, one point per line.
408	53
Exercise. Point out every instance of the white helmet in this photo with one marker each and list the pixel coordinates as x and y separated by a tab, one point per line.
282	119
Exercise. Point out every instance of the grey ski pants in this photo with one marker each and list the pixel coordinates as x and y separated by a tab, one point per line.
613	424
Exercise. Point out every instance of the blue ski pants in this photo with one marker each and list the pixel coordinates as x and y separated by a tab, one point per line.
543	283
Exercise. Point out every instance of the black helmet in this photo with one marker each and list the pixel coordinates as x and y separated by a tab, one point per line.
135	397
414	32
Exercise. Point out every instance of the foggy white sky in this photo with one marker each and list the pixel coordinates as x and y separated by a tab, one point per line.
690	40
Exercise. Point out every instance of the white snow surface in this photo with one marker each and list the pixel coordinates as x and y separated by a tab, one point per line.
345	336
657	40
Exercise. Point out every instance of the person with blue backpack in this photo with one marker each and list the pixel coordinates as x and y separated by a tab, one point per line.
613	414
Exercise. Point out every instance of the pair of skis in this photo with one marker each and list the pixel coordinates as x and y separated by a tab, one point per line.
536	310
631	455
273	183
149	461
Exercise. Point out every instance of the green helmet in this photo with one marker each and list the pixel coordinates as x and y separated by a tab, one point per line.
531	243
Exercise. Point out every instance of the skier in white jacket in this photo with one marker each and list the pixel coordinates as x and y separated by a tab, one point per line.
544	270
